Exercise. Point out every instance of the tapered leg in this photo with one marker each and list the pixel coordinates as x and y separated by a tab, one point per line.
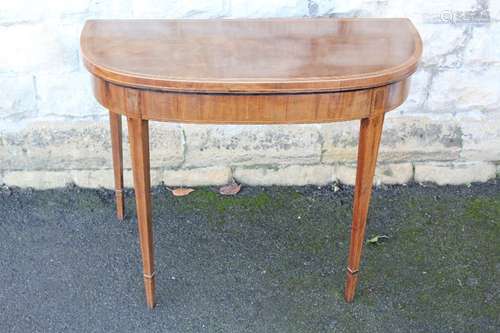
139	147
369	141
115	123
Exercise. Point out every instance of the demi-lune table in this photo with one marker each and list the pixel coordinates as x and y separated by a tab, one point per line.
248	71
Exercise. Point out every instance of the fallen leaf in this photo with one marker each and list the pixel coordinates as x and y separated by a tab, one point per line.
181	191
230	189
376	239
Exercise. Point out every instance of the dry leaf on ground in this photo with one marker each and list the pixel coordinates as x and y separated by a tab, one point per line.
230	189
181	191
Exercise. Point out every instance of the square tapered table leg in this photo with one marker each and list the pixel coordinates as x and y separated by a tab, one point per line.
139	148
115	124
369	141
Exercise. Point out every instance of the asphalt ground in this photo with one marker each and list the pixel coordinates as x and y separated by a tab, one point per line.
270	259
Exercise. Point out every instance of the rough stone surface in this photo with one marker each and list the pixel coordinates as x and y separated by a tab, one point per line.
418	92
403	139
39	47
86	146
483	46
196	176
37	179
55	179
52	90
287	175
113	9
394	173
454	173
494	10
22	11
167	145
247	145
481	135
49	121
472	88
175	9
104	177
17	96
443	44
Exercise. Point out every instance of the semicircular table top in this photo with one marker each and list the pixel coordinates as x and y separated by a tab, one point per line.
252	55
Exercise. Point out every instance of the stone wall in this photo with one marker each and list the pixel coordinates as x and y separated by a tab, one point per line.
53	132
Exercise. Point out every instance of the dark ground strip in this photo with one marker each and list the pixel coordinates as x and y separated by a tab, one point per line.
271	259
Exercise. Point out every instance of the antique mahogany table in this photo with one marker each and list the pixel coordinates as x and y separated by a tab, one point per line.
248	71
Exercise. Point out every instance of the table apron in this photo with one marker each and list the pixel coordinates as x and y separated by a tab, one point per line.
249	108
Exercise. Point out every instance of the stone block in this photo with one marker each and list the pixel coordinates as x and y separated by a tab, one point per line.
45	179
209	145
111	9
104	178
56	146
179	9
17	96
263	8
166	145
465	89
39	47
419	89
443	44
340	141
394	173
23	11
37	179
454	173
481	132
67	95
285	175
420	138
483	47
404	139
196	176
494	9
81	146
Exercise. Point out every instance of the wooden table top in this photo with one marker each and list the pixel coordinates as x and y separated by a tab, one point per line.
251	55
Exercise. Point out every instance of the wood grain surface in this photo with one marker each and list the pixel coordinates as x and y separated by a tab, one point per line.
244	108
251	55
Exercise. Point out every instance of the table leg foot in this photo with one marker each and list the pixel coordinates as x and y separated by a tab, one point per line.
149	287
369	141
115	124
350	285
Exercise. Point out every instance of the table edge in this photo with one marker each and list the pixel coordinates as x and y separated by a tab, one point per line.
263	86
